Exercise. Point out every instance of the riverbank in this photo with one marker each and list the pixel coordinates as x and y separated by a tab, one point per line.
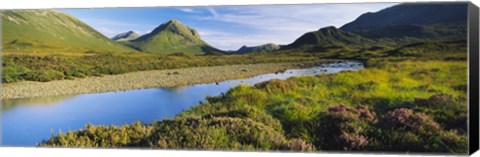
278	114
143	79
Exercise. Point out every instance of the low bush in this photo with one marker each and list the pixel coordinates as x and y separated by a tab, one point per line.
342	128
43	75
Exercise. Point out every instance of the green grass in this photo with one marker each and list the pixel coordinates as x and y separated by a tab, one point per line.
46	66
414	106
26	67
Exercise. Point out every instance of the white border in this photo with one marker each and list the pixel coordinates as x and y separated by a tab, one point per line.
45	4
78	152
74	152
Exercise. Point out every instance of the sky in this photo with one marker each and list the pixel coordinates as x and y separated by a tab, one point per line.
229	27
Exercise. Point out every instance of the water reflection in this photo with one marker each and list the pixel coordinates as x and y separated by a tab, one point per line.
12	103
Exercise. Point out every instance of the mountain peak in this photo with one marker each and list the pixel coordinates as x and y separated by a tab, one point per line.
174	21
328	36
172	37
126	36
262	48
328	28
414	22
176	27
411	14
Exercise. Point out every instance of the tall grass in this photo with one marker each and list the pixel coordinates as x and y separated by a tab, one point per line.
408	106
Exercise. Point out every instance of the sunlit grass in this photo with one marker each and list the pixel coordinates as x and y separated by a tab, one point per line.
400	106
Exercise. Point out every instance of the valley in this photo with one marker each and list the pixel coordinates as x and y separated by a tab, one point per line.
412	86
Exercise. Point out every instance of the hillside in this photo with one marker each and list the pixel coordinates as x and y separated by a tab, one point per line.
126	36
327	37
455	50
46	31
172	37
262	48
413	22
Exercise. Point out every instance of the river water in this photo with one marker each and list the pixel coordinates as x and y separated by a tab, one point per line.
26	122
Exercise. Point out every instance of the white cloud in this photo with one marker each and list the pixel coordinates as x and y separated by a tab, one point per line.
230	27
188	10
110	28
233	41
282	24
107	22
309	15
213	12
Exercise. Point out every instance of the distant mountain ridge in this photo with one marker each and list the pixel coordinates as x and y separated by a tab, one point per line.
411	14
172	37
327	36
261	48
400	24
52	31
414	21
126	36
47	30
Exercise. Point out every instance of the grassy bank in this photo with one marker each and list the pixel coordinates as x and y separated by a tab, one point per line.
401	106
19	67
44	67
141	79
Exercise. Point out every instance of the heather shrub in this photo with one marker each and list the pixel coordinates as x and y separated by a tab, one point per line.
133	135
249	113
406	120
300	145
342	128
404	130
222	133
448	111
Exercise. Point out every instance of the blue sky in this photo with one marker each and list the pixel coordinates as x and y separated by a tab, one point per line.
229	27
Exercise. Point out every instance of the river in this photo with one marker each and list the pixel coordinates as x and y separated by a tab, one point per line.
26	122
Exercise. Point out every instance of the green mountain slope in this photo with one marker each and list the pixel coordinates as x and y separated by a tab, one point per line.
46	31
413	22
451	50
327	37
172	37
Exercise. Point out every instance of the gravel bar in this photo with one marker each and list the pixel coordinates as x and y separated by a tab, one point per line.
142	79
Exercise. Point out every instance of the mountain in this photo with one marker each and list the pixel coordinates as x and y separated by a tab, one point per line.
262	48
49	31
430	21
127	36
172	37
328	37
